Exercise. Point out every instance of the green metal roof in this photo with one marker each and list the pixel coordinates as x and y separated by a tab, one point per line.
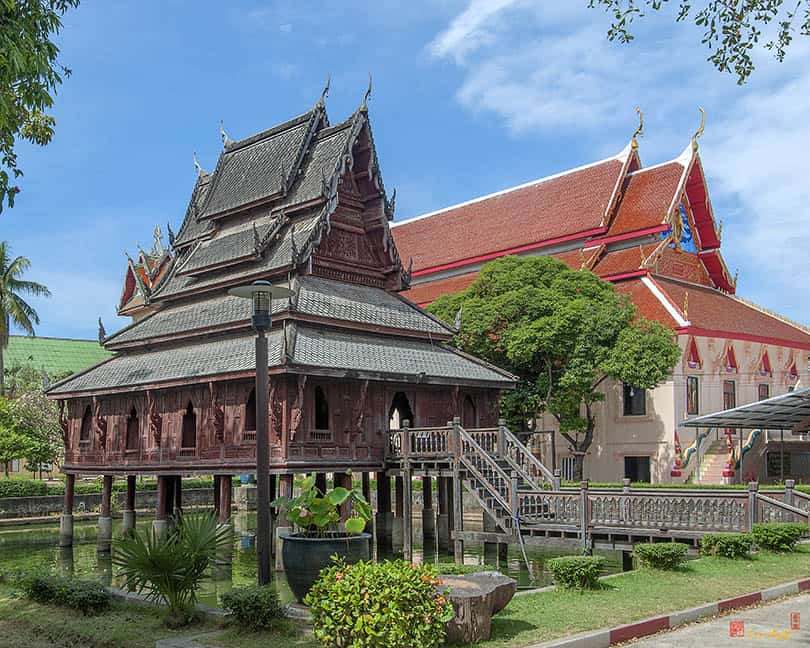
55	355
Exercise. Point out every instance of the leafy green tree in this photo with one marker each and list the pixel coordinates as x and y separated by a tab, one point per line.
563	333
38	419
13	308
731	29
29	76
14	444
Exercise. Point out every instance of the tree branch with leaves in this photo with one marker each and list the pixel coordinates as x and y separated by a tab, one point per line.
732	29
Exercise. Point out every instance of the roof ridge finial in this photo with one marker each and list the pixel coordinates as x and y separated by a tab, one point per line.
226	141
699	131
170	234
102	333
736	277
367	95
322	101
641	252
639	132
197	165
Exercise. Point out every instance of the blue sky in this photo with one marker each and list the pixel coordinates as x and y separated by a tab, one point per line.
469	97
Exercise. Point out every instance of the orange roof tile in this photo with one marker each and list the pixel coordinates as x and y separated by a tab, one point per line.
646	198
548	209
426	293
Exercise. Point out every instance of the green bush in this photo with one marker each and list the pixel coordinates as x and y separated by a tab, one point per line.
778	536
661	555
576	572
726	545
89	597
22	488
254	608
452	569
384	605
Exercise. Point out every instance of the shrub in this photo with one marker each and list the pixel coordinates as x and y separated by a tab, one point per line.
726	545
22	488
384	605
661	555
452	569
254	608
576	572
778	536
89	597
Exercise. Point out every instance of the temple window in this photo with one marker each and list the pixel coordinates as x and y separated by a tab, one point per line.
635	401
321	409
400	411
250	412
729	394
87	426
763	391
692	395
133	434
469	417
189	435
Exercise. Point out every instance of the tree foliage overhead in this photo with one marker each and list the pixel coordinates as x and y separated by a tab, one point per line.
731	28
29	75
563	333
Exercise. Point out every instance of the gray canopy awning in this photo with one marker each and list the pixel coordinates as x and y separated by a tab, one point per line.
789	411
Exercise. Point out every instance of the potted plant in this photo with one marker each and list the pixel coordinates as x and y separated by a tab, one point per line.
318	533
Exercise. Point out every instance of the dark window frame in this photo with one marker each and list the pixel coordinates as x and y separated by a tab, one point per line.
634	401
188	414
321	420
763	387
133	431
692	395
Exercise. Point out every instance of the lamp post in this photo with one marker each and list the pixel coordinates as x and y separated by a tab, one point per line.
261	293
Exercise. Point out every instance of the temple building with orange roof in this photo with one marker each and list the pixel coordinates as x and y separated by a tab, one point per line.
650	231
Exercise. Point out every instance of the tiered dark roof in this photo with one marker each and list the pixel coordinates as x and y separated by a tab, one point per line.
301	204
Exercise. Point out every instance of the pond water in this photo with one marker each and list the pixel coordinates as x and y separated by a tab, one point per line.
37	547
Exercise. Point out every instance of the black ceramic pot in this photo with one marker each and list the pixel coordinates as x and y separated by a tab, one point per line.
304	558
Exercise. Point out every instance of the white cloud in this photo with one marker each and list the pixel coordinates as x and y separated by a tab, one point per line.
472	28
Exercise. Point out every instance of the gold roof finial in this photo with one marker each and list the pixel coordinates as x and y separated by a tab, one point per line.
736	276
639	132
686	304
581	258
720	231
699	131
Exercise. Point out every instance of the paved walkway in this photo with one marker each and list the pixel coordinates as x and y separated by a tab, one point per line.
772	625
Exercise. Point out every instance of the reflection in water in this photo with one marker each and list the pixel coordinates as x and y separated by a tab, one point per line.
36	547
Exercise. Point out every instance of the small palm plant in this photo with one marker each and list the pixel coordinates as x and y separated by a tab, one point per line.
168	568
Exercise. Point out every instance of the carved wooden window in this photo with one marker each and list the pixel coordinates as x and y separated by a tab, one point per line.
189	434
321	409
692	395
250	417
469	417
400	412
133	431
86	430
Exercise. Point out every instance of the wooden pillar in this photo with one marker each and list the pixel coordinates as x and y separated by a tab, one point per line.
320	481
398	529
458	517
105	518
366	486
407	516
159	524
285	488
443	519
428	513
217	481
66	521
178	495
168	502
385	517
225	498
129	505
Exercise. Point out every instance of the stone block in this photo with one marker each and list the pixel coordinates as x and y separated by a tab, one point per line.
476	598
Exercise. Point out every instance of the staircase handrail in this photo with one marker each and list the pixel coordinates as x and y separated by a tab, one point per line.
783	506
491	463
512	442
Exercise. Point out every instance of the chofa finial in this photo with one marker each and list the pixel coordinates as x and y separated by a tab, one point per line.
366	96
325	92
736	277
639	132
102	334
197	165
226	141
699	131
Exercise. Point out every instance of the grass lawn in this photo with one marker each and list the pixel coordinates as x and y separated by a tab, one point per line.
534	618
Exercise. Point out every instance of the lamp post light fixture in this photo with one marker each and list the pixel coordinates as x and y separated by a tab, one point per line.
262	293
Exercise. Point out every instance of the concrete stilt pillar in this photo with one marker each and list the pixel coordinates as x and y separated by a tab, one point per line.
225	498
493	551
458	518
428	512
285	488
129	506
66	521
105	517
443	520
385	517
160	523
407	517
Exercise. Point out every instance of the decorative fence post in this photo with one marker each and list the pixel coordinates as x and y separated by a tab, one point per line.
501	438
753	492
584	515
557	481
789	498
458	494
626	485
513	503
407	509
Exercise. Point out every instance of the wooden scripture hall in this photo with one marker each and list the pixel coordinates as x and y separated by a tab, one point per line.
303	205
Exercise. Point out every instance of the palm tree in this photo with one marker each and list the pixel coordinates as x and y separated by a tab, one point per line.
13	308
